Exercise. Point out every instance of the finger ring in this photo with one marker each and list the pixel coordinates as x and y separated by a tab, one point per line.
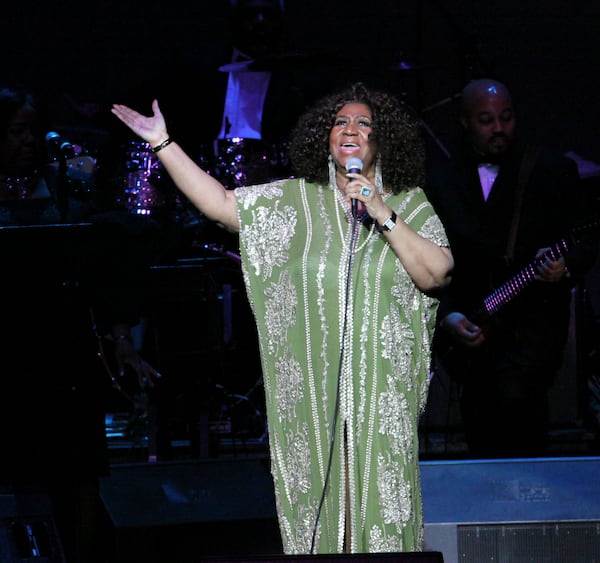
366	191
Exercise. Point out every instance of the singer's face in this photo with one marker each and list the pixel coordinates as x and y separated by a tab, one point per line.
349	136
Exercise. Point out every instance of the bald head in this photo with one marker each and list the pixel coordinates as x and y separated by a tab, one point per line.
484	88
487	117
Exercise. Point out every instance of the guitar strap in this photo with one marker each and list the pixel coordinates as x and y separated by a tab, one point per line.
529	156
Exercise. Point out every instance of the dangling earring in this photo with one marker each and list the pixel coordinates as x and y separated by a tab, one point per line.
332	173
378	175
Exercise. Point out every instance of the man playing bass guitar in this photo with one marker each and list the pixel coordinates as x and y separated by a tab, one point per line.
507	207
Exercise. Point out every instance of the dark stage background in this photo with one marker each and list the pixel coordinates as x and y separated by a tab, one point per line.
111	51
84	56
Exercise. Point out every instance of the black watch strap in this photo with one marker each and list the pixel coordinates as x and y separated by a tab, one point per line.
390	223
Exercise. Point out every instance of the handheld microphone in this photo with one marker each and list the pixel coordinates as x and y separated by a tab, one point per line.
57	143
354	165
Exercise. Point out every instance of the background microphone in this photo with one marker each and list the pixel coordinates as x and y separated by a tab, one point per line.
354	165
59	145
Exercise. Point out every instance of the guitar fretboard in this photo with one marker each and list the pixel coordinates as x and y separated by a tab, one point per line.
515	285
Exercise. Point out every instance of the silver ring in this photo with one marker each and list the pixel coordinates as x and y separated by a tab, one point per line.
366	191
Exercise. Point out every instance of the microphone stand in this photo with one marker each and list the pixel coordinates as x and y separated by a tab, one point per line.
62	186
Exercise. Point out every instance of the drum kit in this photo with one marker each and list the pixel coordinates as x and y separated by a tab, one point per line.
138	185
242	162
141	187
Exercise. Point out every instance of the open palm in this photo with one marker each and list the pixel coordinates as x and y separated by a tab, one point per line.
153	129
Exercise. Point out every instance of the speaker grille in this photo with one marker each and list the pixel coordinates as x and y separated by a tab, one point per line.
524	543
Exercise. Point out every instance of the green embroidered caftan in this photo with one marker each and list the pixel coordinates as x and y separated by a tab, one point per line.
374	358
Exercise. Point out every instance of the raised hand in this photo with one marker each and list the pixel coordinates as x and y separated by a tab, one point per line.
152	129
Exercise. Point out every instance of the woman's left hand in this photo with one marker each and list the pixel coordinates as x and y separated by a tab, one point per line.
360	188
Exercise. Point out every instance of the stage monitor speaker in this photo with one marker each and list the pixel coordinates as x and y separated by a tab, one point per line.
412	557
27	530
513	510
181	511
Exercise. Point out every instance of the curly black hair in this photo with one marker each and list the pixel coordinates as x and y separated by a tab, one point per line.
14	98
395	130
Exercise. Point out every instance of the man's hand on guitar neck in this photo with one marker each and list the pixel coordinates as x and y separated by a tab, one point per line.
549	270
461	329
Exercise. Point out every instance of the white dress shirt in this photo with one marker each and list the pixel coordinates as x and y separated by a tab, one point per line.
487	176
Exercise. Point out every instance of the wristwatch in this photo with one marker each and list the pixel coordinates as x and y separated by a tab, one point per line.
390	223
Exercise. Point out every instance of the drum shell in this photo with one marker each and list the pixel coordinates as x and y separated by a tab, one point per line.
141	185
241	162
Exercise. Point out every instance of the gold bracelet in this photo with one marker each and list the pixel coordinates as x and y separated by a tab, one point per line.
162	145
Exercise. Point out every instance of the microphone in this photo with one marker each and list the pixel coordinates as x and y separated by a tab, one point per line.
354	165
58	144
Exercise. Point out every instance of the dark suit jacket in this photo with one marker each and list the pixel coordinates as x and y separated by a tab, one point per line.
553	203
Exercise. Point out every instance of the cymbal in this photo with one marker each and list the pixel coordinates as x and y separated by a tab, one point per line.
268	62
405	66
242	66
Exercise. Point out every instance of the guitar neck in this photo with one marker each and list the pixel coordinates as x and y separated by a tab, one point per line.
515	285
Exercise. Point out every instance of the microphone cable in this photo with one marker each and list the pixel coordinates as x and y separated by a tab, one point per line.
355	222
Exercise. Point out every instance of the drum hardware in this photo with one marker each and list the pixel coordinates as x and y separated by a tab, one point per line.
240	161
140	186
81	170
442	102
237	415
73	166
218	248
271	62
404	66
101	341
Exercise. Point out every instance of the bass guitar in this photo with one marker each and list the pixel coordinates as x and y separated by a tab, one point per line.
509	290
